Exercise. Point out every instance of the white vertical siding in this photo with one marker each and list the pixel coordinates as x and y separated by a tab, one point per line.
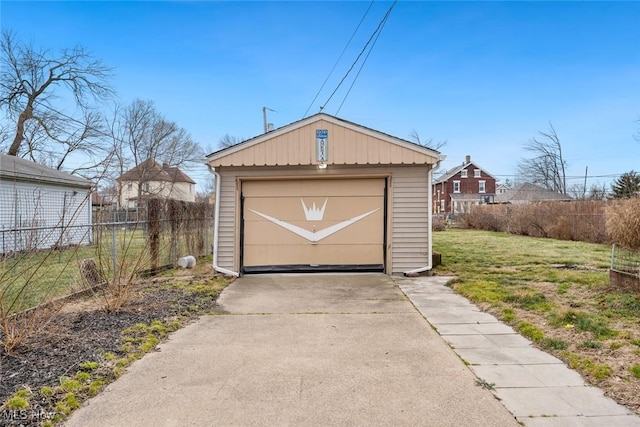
409	227
39	216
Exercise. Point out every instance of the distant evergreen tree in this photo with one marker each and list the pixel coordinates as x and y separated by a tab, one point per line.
626	186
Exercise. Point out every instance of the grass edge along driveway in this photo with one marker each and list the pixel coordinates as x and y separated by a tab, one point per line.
557	294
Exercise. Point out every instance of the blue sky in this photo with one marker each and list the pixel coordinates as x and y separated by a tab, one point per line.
485	76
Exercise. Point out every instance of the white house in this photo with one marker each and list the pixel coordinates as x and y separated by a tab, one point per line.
41	207
150	179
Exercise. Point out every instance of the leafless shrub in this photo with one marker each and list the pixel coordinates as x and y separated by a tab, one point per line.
28	283
17	328
579	220
438	223
171	229
483	220
121	256
623	223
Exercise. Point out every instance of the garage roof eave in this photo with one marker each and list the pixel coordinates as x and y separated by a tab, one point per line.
219	164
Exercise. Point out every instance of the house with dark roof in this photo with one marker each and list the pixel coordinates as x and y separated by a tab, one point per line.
529	193
463	186
151	179
41	207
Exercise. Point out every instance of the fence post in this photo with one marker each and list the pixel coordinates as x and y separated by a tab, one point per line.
613	255
114	253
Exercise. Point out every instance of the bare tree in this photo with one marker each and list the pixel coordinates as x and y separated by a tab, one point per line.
429	143
228	141
31	81
597	192
147	134
577	191
140	133
547	167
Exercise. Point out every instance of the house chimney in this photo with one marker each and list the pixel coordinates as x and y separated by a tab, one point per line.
467	159
165	165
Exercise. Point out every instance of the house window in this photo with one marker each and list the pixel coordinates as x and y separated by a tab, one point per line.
463	173
146	187
456	186
482	188
442	205
476	173
129	185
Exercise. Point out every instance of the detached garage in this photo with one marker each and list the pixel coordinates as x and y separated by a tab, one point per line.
323	194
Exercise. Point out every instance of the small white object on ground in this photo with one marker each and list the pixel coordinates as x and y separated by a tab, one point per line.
187	261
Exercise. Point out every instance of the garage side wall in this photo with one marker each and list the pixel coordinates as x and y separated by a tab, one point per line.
36	216
226	231
410	227
407	208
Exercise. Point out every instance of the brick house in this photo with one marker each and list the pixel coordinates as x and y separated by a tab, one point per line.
461	187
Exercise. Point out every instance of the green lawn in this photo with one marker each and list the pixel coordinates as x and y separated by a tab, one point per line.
31	278
491	266
557	294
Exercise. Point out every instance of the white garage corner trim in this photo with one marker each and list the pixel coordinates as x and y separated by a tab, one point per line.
216	226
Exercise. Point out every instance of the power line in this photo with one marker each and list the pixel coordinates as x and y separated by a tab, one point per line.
339	58
382	21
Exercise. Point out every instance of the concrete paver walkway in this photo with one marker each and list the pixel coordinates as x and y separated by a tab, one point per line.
318	350
536	387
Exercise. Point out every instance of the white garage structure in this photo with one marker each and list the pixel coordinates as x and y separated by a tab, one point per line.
323	194
41	207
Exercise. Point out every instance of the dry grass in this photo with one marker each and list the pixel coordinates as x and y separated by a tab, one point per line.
623	223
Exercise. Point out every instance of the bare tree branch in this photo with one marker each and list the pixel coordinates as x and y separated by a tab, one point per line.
32	79
547	167
228	141
429	143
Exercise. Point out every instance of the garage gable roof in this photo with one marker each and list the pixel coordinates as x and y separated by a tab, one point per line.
348	144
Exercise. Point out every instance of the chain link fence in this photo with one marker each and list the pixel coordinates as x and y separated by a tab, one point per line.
140	241
42	217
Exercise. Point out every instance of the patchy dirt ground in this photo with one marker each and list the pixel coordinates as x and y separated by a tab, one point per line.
83	332
616	352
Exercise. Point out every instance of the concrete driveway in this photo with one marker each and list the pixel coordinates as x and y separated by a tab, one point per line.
329	349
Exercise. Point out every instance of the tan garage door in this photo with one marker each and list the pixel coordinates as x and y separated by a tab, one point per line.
313	225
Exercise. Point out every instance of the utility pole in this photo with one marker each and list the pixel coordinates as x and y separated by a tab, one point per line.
264	117
584	189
